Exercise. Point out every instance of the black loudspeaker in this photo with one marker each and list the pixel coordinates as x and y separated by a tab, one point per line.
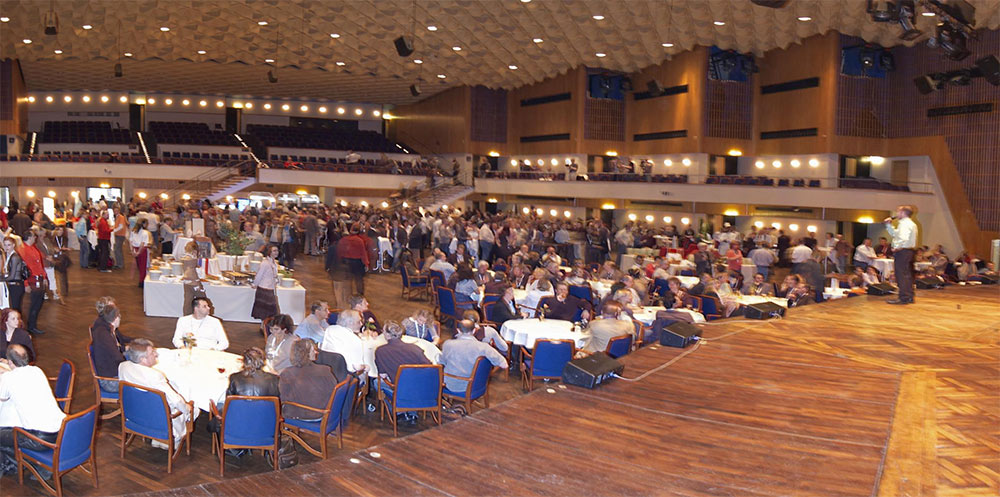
926	283
654	87
415	90
881	289
590	371
404	47
990	67
119	72
763	310
679	334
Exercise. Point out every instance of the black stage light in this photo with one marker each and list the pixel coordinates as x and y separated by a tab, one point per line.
908	21
51	23
882	10
989	66
404	47
271	77
952	40
118	70
415	90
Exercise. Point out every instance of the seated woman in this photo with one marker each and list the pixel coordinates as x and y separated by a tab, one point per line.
537	276
871	277
466	289
251	381
109	343
579	276
12	331
305	382
420	325
279	342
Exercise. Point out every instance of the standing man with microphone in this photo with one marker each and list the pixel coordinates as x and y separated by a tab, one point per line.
904	241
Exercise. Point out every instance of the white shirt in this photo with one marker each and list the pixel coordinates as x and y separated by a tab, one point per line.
801	253
864	253
532	298
904	235
207	333
26	400
344	342
486	234
139	238
155	380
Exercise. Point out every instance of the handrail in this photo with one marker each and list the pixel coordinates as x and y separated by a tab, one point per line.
411	140
203	184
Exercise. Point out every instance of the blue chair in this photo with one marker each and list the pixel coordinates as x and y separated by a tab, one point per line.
74	446
582	292
477	386
661	286
63	389
711	307
546	362
412	284
619	346
448	308
687	272
330	418
417	389
489	298
247	423
332	318
146	413
437	279
103	397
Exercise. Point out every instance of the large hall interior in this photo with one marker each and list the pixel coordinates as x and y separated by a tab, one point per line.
500	247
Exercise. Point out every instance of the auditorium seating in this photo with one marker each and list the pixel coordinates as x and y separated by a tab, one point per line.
187	133
322	139
871	184
85	132
133	158
339	166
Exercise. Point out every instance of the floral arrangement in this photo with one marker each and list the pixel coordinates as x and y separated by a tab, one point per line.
234	241
543	311
189	341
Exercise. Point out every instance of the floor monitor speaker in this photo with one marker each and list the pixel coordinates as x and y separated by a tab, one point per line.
763	310
679	334
881	289
592	370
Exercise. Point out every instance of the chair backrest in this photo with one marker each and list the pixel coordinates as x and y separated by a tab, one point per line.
64	384
661	286
332	318
406	277
582	292
490	297
335	406
480	378
145	410
619	346
550	356
687	272
77	435
446	301
437	277
250	420
418	386
90	357
709	305
488	310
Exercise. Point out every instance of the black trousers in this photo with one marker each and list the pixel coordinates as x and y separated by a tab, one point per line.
356	268
37	299
7	458
103	254
15	294
903	267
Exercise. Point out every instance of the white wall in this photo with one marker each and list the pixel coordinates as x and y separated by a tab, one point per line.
823	226
827	169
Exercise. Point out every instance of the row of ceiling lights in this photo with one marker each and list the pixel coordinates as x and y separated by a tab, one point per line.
794	163
204	103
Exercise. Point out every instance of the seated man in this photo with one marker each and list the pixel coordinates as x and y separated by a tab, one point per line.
138	369
360	303
421	325
565	306
485	333
801	295
206	331
343	339
441	264
26	401
396	353
305	382
787	285
758	286
551	256
314	325
601	330
460	354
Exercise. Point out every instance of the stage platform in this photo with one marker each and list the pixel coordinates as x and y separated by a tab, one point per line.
849	398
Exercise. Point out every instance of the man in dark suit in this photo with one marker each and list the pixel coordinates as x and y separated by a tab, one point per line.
564	306
505	309
758	286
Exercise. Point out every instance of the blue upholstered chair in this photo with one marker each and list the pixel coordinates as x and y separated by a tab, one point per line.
448	308
146	413
63	389
332	318
412	284
582	292
74	446
247	423
711	307
619	346
417	389
331	417
490	298
661	286
546	362
477	386
110	398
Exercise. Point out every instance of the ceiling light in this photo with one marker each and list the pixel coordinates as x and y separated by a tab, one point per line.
376	113
668	45
432	28
457	49
262	23
687	163
776	225
553	212
758	224
248	105
4	19
811	228
925	14
57	52
568	214
512	67
322	110
685	220
26	41
341	110
776	164
813	162
418	61
734	152
442	76
731	212
649	218
668	162
185	102
31	194
104	99
269	61
49	99
358	112
151	101
31	99
87	26
201	52
598	18
203	103
304	108
795	163
793	227
554	161
805	18
169	101
334	35
341	63
164	29
285	107
123	99
127	54
668	219
140	101
219	103
267	106
537	40
86	98
600	54
67	99
719	23
522	1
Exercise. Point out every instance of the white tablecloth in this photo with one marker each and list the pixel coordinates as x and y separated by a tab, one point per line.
165	298
526	331
922	266
233	262
884	266
688	281
758	299
431	352
835	293
647	315
748	269
601	287
180	242
385	245
198	378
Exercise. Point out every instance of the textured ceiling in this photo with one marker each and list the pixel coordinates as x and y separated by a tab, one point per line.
492	35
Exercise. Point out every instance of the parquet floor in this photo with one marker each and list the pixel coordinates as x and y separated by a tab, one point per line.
849	398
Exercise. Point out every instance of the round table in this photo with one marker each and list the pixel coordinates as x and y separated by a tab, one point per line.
688	281
647	315
525	332
198	377
760	299
369	344
884	266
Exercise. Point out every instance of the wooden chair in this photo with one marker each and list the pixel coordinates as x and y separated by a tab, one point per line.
546	362
417	389
103	397
63	389
146	413
74	446
619	345
477	386
331	419
247	423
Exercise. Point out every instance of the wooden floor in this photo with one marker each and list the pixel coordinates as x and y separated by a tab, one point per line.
850	398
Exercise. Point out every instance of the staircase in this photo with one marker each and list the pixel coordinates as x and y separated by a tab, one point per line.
446	194
233	184
218	183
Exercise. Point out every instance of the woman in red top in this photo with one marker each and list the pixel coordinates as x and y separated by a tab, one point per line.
104	243
37	283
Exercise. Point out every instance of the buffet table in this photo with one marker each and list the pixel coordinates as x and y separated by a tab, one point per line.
180	242
165	298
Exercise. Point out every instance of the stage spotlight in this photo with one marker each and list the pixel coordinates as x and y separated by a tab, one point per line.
404	46
882	10
271	78
51	23
952	40
868	59
908	20
119	72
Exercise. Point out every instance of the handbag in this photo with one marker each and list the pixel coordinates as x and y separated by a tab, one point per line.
60	262
288	456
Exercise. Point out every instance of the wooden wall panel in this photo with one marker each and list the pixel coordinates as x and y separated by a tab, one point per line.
672	112
547	119
437	125
13	95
